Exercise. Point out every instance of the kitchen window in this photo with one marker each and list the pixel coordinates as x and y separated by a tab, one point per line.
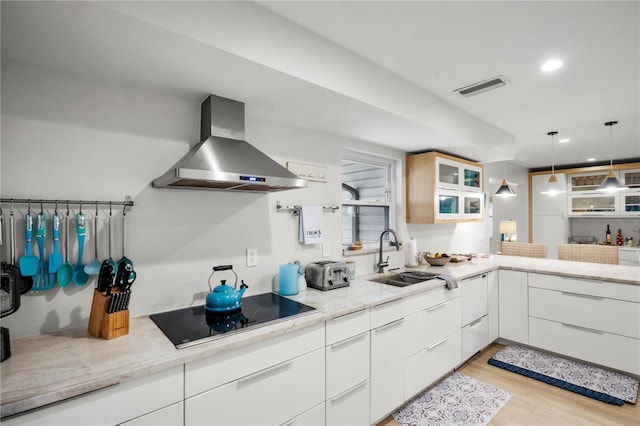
367	202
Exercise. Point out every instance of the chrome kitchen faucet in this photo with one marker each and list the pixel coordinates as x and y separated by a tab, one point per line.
381	265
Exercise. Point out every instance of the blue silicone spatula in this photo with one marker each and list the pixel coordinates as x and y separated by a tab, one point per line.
28	262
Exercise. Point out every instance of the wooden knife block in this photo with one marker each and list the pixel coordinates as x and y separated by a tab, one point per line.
107	326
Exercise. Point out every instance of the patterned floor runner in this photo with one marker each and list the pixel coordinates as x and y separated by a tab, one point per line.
594	382
456	400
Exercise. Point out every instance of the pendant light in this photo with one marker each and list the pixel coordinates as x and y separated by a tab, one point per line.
611	183
553	186
505	190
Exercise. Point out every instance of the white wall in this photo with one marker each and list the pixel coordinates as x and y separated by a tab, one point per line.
508	208
70	137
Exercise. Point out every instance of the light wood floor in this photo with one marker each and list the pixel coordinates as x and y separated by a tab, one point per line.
537	403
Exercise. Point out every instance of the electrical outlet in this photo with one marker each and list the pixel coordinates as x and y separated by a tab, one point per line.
326	250
252	257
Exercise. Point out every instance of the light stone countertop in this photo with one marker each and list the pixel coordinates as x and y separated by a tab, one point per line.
52	367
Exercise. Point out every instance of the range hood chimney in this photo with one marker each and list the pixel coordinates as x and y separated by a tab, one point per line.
223	160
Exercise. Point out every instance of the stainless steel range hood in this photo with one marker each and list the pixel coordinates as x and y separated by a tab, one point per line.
223	160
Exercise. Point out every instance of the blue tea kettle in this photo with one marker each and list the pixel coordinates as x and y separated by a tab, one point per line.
224	298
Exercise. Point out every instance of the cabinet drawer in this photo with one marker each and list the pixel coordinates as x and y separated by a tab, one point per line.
313	417
212	372
475	336
345	326
387	312
347	363
431	325
428	365
172	415
350	407
276	395
611	290
598	313
474	298
429	298
132	399
610	350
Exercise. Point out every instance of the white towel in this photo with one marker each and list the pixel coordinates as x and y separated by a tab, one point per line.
311	224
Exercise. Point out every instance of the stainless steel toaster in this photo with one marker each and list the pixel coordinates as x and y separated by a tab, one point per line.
327	275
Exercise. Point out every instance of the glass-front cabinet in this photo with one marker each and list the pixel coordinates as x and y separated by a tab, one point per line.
472	206
458	175
602	204
441	188
586	181
631	178
448	205
584	200
630	202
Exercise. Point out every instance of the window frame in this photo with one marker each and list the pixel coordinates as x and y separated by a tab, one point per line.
392	166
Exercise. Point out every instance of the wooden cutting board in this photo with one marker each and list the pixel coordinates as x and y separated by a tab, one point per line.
455	258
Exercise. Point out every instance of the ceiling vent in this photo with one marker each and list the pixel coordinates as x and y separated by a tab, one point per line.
483	86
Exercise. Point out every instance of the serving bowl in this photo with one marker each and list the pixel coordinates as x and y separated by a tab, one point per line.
437	261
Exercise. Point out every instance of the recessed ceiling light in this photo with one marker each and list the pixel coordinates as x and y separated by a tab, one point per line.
551	65
591	159
564	140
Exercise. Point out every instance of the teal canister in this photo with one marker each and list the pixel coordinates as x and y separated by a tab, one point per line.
288	279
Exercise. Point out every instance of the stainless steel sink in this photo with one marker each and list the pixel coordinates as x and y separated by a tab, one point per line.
404	278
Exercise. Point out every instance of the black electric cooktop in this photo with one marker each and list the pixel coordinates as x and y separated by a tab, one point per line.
189	326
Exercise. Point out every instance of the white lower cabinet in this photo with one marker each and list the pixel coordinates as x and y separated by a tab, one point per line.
431	363
115	404
313	417
432	338
350	407
273	381
591	320
348	354
513	306
493	306
387	359
169	416
475	336
610	350
475	322
273	396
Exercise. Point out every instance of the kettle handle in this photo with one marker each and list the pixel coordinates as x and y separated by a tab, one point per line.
222	267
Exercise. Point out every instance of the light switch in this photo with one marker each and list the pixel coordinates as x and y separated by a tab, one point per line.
252	257
326	250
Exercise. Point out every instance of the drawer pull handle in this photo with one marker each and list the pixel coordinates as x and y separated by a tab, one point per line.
585	296
390	325
348	391
288	422
437	343
577	327
347	341
264	372
346	316
476	322
440	305
386	304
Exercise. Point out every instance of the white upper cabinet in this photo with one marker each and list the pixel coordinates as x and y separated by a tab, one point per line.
451	174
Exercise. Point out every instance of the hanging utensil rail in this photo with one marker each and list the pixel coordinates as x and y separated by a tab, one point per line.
127	203
295	210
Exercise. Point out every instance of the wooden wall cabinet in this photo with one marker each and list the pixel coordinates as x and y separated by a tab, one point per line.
443	189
